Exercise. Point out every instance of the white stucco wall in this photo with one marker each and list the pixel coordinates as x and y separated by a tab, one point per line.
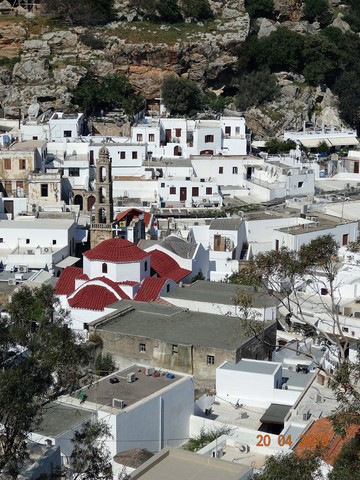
118	272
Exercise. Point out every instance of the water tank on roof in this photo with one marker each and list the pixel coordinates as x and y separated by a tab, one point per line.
6	140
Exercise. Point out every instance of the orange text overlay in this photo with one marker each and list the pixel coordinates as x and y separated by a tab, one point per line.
304	440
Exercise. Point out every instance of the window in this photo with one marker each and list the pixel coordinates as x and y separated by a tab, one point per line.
74	172
1	240
210	360
22	164
122	155
324	291
177	132
67	133
44	190
237	130
172	190
300	184
35	138
209	138
228	131
195	191
174	349
134	155
168	288
27	241
151	137
145	266
162	185
7	163
142	347
345	239
345	329
91	153
235	170
221	169
54	242
277	245
139	137
208	190
104	268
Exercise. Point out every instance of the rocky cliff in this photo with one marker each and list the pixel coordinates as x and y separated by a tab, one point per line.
40	63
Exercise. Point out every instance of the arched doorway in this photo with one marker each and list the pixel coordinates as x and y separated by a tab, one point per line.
177	151
90	202
78	200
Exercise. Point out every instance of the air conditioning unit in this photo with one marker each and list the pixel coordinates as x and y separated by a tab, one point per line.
118	403
244	448
23	269
306	416
285	387
146	204
149	371
131	377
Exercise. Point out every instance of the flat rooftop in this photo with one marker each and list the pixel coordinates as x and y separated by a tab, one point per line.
252	366
221	293
32	223
174	325
60	418
103	392
321	222
173	464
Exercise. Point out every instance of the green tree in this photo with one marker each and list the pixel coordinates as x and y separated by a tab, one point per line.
94	94
347	87
199	10
260	8
181	96
104	364
255	88
48	362
81	12
323	148
273	145
281	50
169	11
347	464
322	66
285	466
90	455
317	10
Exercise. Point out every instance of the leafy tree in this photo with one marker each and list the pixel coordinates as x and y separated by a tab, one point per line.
255	88
199	10
347	464
104	364
281	50
181	96
169	11
285	466
347	87
260	8
205	437
81	12
49	356
95	94
317	10
323	147
214	102
147	8
323	66
273	146
90	456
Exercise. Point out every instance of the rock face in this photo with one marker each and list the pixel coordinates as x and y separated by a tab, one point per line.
44	65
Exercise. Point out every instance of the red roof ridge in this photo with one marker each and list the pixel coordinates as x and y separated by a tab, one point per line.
150	289
66	282
165	266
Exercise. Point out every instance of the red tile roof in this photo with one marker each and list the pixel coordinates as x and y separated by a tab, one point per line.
113	285
322	429
66	283
93	297
166	267
134	213
116	250
150	289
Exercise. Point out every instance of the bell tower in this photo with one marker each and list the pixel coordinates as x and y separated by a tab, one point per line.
101	224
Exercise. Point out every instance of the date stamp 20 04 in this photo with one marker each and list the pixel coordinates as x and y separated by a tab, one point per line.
305	441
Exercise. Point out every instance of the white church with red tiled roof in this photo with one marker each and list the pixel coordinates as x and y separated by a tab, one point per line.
116	270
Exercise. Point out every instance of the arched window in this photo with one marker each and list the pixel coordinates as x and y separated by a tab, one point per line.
145	266
104	268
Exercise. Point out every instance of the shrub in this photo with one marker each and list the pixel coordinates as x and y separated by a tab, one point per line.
200	9
91	41
317	10
104	364
260	8
181	96
169	11
255	88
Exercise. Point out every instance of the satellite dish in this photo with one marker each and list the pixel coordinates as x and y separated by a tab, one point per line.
33	110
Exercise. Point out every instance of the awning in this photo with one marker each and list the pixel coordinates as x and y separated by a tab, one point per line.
258	144
67	262
314	142
275	414
343	141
